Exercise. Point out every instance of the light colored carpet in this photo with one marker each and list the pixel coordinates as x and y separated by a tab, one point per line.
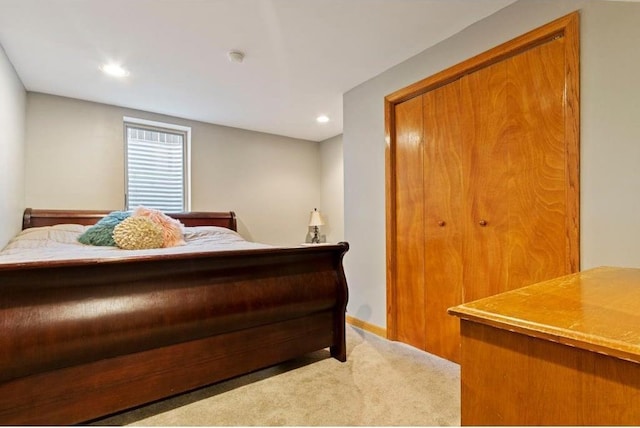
382	383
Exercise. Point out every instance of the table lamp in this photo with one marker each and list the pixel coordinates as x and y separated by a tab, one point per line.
315	221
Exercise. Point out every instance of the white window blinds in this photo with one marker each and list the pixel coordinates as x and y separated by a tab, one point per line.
156	168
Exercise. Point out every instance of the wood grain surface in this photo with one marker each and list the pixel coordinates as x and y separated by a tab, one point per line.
482	181
486	173
410	223
596	310
561	352
443	230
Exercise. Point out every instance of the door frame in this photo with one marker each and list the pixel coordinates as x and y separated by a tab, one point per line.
567	27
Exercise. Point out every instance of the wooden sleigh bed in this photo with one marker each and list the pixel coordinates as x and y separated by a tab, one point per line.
81	339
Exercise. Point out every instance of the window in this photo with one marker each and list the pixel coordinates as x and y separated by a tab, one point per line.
156	165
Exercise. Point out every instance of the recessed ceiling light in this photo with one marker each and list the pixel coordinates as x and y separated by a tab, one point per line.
114	70
322	119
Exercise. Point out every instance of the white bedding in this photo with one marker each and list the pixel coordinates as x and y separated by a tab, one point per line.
60	242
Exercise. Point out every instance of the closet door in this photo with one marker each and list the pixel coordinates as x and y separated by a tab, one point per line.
443	219
482	182
486	173
538	181
410	257
515	172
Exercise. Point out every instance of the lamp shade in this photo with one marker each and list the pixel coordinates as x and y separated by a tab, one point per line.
316	218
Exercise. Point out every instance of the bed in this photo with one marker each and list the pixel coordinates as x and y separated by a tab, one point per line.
86	337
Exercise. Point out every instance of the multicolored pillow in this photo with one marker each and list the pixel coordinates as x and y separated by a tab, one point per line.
100	234
171	228
138	233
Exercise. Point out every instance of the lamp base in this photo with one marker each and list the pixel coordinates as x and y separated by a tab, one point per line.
315	239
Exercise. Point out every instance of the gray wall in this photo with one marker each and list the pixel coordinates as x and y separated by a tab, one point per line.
610	136
332	188
12	123
75	159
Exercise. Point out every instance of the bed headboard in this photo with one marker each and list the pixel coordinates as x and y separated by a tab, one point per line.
36	218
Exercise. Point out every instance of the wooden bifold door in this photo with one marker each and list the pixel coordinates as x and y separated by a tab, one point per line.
482	182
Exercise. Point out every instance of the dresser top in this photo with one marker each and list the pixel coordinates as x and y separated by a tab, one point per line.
596	309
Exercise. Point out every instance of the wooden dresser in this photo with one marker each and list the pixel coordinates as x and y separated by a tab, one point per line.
560	352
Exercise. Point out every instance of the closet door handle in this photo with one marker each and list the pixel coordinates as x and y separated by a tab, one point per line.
442	223
482	223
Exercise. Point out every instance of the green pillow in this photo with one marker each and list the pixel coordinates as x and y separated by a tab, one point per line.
101	233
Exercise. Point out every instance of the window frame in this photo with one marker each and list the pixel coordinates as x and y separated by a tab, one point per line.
152	125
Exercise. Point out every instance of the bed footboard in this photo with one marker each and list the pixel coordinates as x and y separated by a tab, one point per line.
83	340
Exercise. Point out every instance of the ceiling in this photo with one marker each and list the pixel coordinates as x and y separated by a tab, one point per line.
300	55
